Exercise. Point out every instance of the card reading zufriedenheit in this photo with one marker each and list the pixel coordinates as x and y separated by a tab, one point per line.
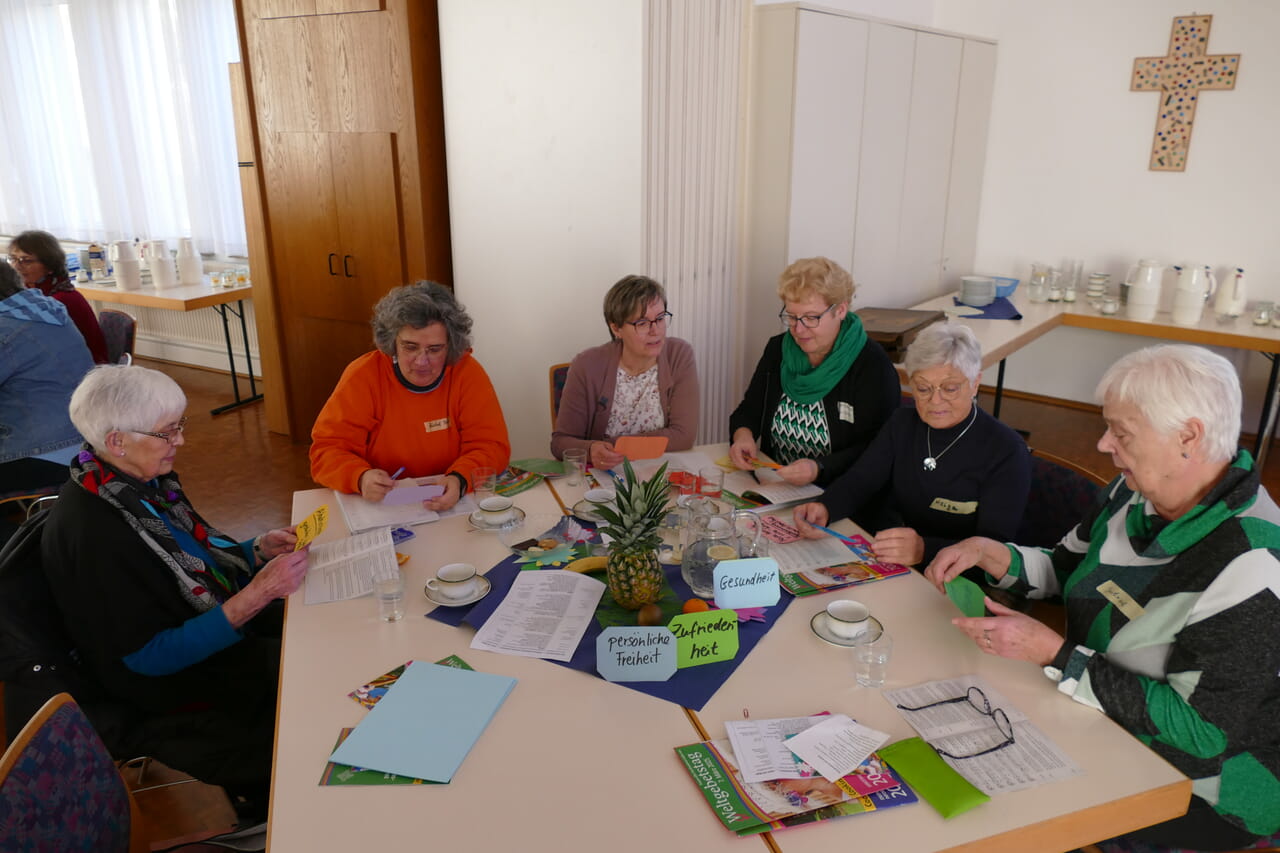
312	526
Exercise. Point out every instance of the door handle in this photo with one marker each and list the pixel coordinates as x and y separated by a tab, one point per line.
345	269
332	255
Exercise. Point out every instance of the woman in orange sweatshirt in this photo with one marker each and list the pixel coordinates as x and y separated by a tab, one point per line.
421	402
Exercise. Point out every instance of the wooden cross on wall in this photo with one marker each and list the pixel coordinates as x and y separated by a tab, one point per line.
1180	76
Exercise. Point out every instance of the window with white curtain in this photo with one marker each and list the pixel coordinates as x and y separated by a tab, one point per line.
118	121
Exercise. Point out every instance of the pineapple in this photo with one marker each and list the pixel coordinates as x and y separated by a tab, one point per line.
634	574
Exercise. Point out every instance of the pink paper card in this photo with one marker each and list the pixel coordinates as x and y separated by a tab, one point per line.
777	530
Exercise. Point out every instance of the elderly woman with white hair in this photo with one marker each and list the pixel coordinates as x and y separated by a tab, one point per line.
936	473
1172	592
171	617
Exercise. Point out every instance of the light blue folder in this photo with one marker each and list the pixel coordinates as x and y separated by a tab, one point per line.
426	723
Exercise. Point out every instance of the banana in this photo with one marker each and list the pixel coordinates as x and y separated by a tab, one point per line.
587	564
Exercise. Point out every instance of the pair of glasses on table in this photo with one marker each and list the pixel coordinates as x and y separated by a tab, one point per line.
980	703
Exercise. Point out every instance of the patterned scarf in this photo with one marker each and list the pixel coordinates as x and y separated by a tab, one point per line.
805	383
52	284
201	585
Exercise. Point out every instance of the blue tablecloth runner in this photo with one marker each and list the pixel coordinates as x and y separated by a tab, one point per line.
692	687
1000	309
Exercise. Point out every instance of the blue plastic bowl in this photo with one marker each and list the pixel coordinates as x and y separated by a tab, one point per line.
1005	286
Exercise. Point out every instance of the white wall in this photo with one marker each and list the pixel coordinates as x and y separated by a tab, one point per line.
919	12
1067	175
543	126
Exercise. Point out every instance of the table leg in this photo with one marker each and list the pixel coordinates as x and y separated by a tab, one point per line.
254	396
1269	405
995	406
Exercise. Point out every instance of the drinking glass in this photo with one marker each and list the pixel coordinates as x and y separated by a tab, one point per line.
389	594
575	464
871	660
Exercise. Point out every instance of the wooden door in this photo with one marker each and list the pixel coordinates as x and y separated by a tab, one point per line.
298	8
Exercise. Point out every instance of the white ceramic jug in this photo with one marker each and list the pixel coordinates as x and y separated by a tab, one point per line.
1145	282
1232	297
190	264
160	262
1195	285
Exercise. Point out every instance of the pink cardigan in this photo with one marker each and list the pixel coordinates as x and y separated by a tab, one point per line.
588	394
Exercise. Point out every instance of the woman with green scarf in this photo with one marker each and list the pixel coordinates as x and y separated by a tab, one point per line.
822	389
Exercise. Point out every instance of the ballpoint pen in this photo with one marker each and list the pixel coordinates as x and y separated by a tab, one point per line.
398	472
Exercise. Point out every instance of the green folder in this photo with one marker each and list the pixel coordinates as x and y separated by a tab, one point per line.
932	778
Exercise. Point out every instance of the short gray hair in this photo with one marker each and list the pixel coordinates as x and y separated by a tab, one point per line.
10	282
419	305
945	343
112	397
1173	383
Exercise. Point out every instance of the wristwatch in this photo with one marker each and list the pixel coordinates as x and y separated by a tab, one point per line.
462	481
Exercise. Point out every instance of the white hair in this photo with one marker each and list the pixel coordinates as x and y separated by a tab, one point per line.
1172	383
945	343
112	397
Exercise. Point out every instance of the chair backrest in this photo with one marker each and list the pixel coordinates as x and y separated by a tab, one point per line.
556	377
120	329
1061	494
60	790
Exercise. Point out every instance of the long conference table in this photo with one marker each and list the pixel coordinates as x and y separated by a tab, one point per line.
1002	338
572	762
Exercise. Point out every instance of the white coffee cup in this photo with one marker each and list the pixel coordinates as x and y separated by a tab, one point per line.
128	274
496	509
454	581
847	619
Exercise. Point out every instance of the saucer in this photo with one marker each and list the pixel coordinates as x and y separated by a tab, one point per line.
585	511
478	522
819	625
483	587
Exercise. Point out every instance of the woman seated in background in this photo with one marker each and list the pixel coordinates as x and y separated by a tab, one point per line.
1172	593
420	402
170	616
42	264
42	359
640	383
821	391
939	472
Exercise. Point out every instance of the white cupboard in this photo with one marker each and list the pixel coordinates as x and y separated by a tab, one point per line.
866	144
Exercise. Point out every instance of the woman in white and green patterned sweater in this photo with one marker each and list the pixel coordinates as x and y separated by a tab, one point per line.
1172	593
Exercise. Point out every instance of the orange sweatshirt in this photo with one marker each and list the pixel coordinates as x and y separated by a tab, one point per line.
373	421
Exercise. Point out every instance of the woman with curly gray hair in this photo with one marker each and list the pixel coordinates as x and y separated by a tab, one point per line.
420	404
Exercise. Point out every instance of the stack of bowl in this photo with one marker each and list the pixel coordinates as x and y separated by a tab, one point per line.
977	290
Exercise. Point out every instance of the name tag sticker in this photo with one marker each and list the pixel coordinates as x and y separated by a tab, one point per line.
636	654
1124	602
845	411
705	637
437	425
954	507
746	583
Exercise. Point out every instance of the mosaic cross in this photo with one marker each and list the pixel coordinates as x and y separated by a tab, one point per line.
1180	77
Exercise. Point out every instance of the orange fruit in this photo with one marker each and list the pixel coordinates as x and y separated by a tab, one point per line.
696	605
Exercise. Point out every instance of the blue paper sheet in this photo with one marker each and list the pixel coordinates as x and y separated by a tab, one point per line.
692	687
1001	309
426	723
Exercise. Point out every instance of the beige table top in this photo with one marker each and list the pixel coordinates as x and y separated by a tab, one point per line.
1002	338
187	297
608	732
569	761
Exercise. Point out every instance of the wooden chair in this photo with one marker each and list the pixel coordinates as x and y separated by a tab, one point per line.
1061	493
556	378
60	790
120	329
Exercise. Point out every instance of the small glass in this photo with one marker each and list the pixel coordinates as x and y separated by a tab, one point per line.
575	465
1262	313
711	481
242	276
871	660
484	481
389	595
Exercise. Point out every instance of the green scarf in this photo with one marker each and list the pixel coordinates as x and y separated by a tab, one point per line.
805	384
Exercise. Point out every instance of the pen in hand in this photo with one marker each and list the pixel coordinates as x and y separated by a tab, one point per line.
398	472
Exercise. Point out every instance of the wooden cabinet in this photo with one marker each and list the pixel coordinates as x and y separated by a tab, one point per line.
867	144
349	131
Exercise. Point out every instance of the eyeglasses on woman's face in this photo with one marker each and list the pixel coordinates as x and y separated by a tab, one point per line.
948	390
22	260
980	703
644	324
809	321
170	435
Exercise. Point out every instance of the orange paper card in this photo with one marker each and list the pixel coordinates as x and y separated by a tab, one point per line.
636	447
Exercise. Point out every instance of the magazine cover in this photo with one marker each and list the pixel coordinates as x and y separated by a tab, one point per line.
751	808
863	569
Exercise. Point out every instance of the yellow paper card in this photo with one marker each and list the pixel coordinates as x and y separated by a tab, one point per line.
312	526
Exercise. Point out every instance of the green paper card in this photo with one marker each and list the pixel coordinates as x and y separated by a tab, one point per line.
967	595
705	637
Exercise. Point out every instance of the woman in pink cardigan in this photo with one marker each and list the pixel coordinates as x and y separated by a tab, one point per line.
640	383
